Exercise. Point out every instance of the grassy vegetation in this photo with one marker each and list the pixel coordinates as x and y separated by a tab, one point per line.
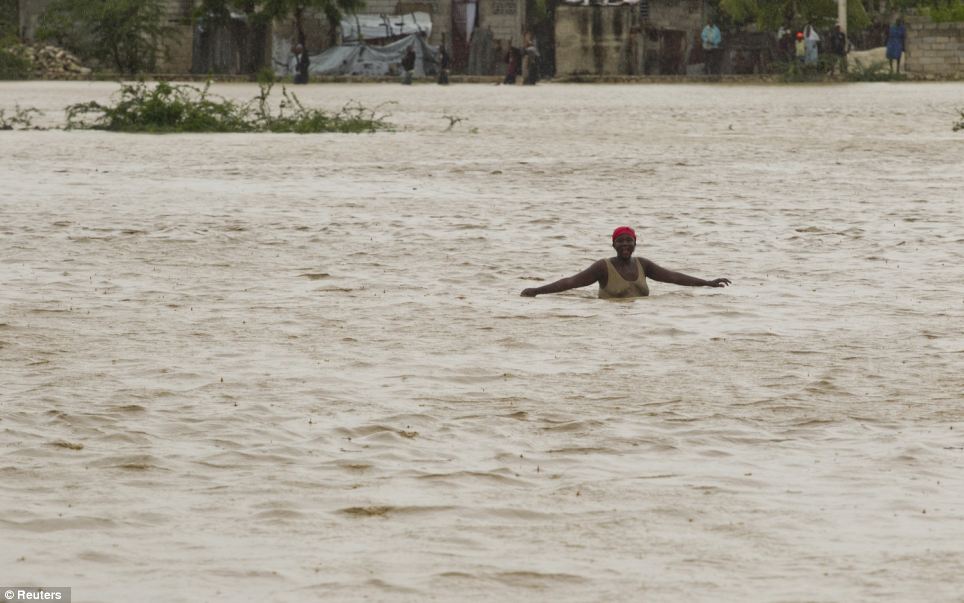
794	72
13	66
172	108
875	72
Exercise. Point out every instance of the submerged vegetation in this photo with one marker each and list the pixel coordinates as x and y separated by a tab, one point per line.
22	119
181	108
173	108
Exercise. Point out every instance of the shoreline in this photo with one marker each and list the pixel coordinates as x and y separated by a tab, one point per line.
776	79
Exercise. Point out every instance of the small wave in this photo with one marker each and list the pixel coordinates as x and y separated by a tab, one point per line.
501	476
534	579
385	510
582	450
60	523
135	462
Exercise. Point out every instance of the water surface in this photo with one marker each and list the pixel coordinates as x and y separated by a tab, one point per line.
285	368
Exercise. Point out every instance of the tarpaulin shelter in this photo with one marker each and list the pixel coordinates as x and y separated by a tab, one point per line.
367	59
358	28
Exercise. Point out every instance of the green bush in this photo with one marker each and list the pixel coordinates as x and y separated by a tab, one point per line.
125	34
13	66
951	12
171	108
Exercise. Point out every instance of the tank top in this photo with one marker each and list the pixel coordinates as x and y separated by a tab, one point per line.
617	286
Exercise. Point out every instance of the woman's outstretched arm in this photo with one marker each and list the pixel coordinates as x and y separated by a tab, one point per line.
658	273
590	275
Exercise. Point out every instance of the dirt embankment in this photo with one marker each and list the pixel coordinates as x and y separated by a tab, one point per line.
49	62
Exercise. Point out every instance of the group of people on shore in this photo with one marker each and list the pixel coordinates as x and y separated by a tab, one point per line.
802	48
408	65
522	62
799	49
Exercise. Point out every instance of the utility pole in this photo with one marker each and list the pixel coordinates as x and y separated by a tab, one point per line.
842	14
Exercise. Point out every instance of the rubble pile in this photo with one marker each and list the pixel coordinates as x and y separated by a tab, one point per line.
51	63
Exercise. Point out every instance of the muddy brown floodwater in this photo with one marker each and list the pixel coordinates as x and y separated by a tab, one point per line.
286	368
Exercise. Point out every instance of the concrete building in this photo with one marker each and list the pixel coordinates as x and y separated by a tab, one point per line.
652	37
476	32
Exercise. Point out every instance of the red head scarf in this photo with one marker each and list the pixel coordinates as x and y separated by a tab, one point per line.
624	230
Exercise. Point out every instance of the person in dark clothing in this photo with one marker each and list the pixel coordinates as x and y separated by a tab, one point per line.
786	42
514	58
443	65
838	50
408	66
302	62
530	61
896	40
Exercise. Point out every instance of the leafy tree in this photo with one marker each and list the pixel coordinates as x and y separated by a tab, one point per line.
123	33
771	14
9	21
263	11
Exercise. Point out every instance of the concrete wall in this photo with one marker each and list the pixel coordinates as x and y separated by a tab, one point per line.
177	53
591	40
676	14
30	11
178	45
682	15
934	48
614	40
506	19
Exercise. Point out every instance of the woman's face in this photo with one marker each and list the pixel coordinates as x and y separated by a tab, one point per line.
624	245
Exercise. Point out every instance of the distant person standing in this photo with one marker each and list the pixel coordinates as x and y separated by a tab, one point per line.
530	60
811	38
302	62
785	41
408	66
443	65
711	39
800	48
513	59
532	56
896	38
838	50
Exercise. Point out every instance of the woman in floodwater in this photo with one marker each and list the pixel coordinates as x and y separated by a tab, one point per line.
623	276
